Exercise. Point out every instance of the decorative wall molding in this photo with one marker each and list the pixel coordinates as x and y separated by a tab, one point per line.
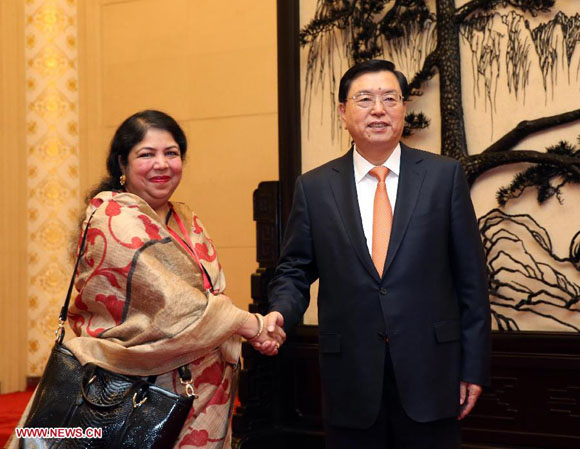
53	165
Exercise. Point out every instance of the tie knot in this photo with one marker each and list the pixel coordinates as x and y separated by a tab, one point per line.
380	173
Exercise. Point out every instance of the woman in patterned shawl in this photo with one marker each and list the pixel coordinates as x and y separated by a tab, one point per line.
150	287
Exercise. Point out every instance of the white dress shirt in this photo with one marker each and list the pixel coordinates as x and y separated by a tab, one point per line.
366	185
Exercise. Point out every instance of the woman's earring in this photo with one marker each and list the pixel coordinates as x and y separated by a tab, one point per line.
122	180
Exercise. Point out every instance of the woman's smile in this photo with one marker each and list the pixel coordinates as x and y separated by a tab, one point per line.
160	179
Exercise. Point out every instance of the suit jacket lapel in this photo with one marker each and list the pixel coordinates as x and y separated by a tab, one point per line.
344	190
410	181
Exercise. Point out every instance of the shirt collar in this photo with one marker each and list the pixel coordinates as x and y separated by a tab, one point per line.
362	166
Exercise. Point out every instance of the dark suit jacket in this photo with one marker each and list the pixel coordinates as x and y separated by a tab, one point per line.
432	300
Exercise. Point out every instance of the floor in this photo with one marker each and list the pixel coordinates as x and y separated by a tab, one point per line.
11	407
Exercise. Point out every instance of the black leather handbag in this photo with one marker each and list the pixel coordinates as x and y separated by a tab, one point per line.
90	407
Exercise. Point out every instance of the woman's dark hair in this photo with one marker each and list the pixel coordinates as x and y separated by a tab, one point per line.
372	65
130	133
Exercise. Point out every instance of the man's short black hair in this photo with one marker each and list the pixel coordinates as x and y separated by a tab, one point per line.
372	65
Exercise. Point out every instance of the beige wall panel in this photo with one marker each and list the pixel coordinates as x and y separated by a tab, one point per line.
189	65
195	67
13	304
232	225
227	159
239	146
238	265
241	82
133	86
232	26
145	30
91	135
180	87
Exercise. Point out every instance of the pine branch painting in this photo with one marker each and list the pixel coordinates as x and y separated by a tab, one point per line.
488	78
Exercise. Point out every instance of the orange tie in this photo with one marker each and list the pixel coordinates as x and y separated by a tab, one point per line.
382	219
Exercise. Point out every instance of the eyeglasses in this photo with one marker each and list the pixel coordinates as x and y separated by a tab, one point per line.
365	100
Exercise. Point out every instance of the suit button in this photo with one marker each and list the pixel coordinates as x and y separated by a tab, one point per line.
383	337
383	291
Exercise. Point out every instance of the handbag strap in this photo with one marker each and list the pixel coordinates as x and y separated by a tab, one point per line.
185	376
64	310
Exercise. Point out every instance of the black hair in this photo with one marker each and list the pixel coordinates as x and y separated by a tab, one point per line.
372	65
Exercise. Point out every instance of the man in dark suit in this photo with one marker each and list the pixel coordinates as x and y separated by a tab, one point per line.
403	309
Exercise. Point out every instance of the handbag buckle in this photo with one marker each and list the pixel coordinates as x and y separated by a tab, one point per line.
189	391
59	333
140	403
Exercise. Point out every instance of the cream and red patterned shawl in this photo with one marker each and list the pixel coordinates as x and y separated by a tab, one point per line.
141	307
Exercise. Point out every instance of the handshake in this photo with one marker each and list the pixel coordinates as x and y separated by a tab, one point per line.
269	335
